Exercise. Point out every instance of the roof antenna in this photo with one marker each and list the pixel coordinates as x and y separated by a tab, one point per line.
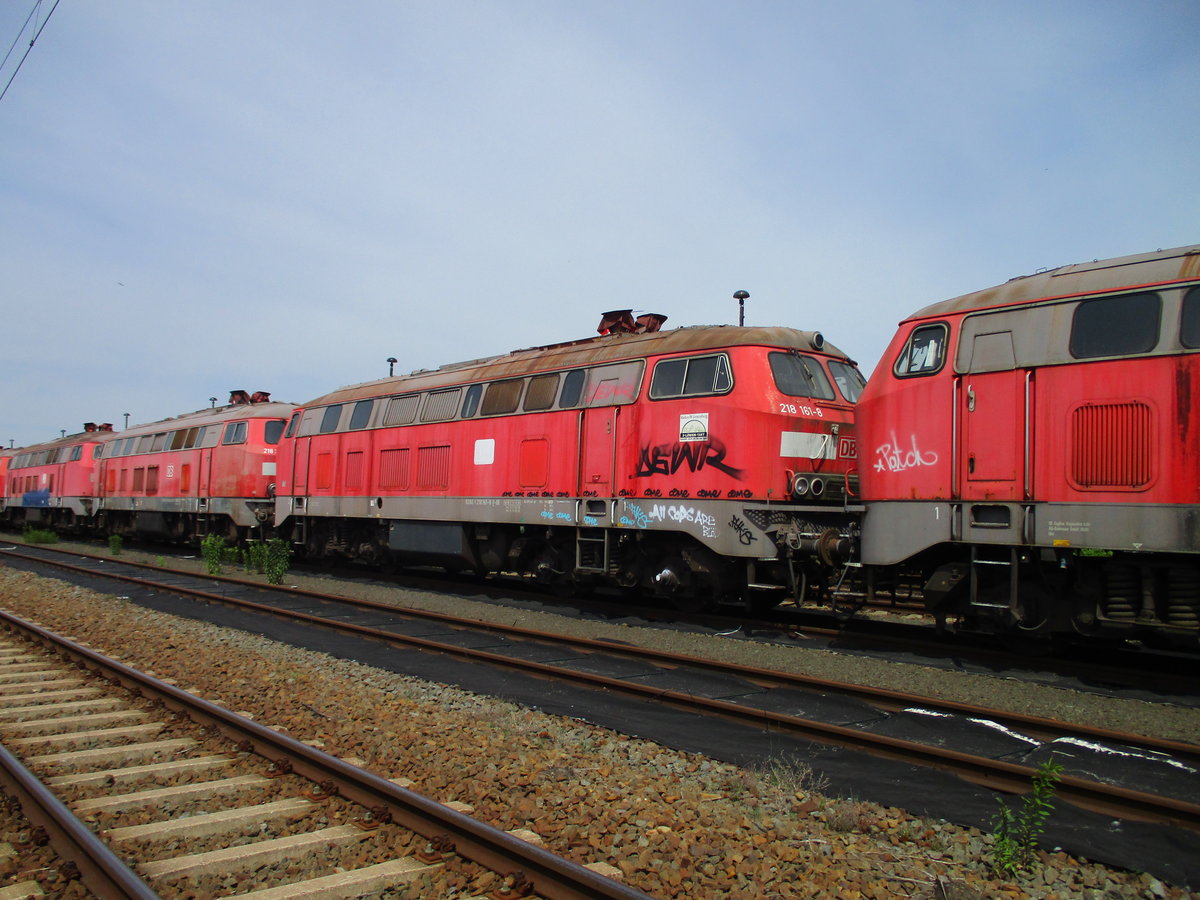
741	297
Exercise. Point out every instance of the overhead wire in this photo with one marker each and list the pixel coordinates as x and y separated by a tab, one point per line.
31	42
24	25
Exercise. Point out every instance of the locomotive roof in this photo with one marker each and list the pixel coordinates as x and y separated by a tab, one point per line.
588	351
212	416
79	437
1159	268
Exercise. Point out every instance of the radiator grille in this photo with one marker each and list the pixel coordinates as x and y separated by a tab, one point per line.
393	469
1112	446
433	467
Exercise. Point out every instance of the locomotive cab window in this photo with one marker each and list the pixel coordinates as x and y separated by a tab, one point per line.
924	352
1116	326
273	430
235	433
692	376
849	380
292	423
800	376
1189	326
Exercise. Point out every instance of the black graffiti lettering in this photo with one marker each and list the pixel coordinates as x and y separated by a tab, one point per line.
745	535
667	459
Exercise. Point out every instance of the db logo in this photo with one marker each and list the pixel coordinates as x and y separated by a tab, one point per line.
847	448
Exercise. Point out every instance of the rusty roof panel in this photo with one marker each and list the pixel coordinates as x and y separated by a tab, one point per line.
214	416
1162	267
585	352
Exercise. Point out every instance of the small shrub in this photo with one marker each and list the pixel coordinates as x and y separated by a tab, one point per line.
849	816
114	544
160	561
212	548
254	558
277	560
1016	833
786	777
39	535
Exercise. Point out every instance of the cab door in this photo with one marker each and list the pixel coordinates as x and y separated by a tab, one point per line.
994	424
597	444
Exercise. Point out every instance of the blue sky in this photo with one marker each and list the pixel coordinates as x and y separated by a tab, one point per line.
198	197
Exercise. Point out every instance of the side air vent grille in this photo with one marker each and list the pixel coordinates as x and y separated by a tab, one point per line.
1112	446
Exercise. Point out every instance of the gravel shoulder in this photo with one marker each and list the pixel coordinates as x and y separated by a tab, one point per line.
674	824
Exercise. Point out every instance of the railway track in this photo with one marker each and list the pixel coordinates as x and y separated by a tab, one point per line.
1161	787
150	791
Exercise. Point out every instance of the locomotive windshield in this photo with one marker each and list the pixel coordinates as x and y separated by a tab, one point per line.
800	376
849	380
273	431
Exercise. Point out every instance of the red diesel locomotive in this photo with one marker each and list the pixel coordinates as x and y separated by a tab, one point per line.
207	472
1034	449
704	463
53	485
1030	451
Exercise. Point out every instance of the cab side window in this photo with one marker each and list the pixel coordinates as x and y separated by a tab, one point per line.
692	376
235	433
924	353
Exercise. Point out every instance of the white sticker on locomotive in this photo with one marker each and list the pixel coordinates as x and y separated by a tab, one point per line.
268	468
693	427
808	444
485	451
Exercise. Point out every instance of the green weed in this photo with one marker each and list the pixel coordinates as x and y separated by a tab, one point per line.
1016	833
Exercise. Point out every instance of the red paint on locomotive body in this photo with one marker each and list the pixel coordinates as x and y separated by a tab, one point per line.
210	471
699	445
1007	430
53	484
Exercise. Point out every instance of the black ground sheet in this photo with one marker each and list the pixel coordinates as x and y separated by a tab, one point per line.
1167	853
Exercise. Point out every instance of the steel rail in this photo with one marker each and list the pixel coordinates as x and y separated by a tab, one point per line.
104	873
881	698
448	831
994	774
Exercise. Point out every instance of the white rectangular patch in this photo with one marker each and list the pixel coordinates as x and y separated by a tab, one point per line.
485	451
693	427
807	444
268	468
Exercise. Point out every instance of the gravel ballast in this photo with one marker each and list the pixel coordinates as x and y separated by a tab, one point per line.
673	824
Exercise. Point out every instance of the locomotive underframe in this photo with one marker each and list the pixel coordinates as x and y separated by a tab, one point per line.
1047	567
695	552
170	519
